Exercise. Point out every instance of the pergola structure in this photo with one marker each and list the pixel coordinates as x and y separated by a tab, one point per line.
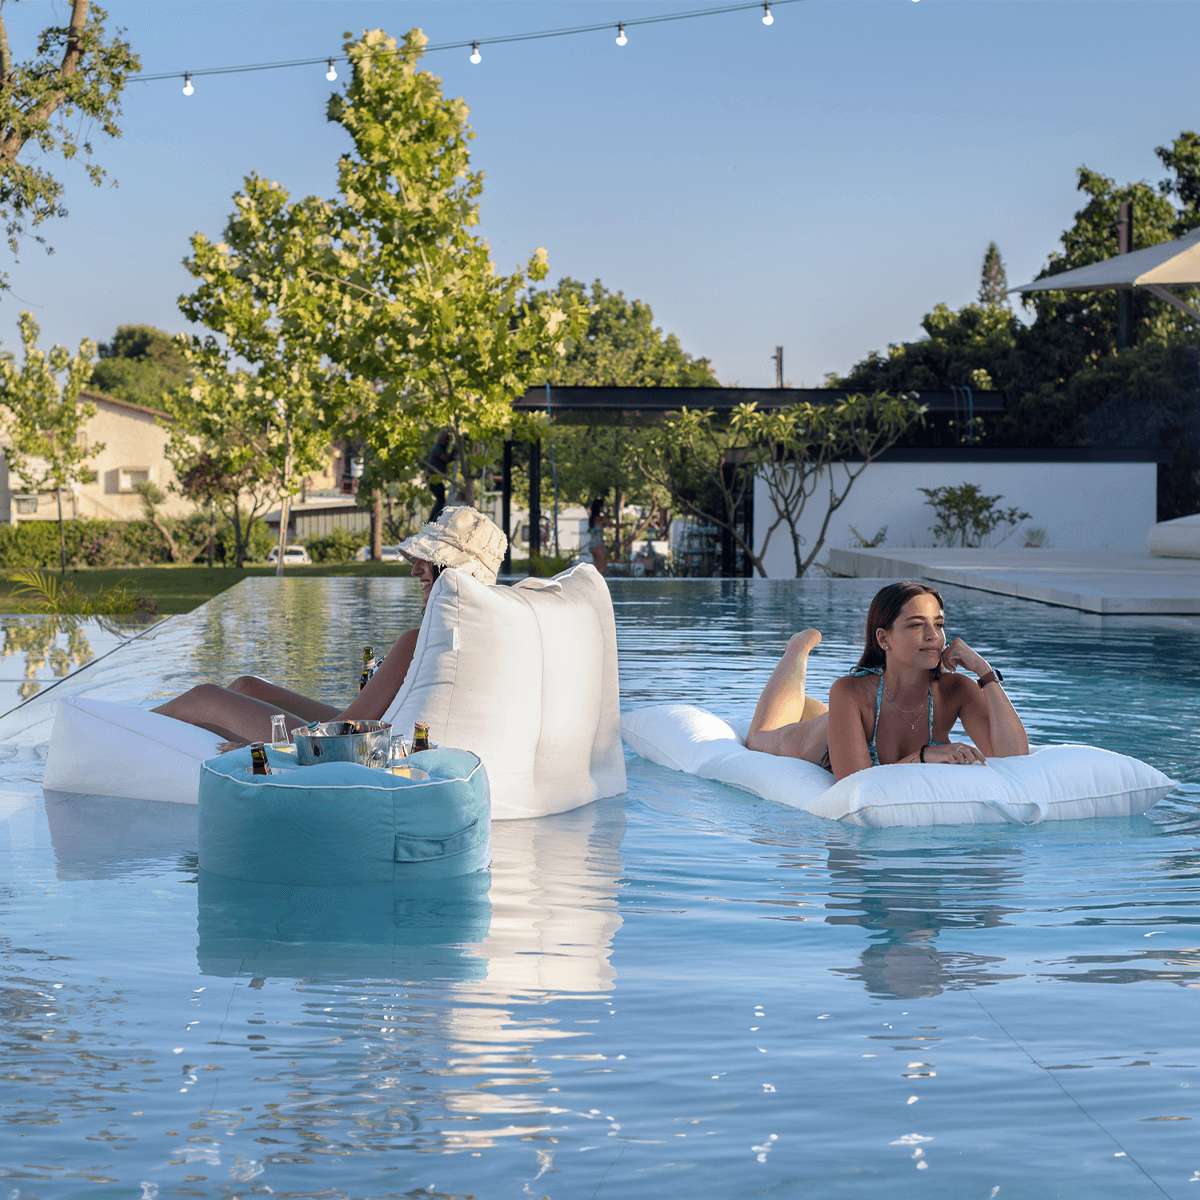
644	405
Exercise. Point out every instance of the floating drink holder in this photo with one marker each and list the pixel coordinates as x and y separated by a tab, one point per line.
364	742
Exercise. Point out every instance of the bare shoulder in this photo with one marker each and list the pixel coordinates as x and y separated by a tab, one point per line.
852	687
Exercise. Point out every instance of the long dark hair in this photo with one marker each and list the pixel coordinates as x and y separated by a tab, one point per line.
594	516
882	614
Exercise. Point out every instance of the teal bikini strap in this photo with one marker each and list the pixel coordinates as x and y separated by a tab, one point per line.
859	672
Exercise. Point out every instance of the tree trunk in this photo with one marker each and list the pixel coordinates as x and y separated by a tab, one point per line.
285	499
377	525
62	536
212	531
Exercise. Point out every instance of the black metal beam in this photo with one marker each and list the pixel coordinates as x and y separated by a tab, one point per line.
506	506
571	403
535	500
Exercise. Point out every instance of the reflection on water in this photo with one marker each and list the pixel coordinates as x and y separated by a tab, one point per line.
55	644
905	902
622	1011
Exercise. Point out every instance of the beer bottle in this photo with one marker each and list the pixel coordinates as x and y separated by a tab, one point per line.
258	759
420	736
368	663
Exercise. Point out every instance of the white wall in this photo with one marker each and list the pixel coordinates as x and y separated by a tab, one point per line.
1080	505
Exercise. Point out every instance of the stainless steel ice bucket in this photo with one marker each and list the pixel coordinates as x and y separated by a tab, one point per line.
363	742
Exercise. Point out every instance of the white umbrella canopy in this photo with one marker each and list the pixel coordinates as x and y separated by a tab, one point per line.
1156	269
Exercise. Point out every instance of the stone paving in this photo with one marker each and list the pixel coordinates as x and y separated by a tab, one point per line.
1107	582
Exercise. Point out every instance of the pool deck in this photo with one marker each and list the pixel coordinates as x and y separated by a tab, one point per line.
1107	582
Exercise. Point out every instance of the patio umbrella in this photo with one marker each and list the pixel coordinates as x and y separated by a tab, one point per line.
1156	269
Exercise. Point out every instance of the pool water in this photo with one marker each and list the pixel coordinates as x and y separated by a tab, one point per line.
682	990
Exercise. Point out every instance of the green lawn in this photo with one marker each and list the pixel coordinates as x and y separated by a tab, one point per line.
179	589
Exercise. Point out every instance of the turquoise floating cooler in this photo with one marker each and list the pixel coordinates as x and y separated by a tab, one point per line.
340	824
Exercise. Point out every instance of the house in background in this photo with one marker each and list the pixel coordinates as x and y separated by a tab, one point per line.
134	452
134	443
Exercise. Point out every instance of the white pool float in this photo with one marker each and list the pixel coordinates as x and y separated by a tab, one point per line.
1052	783
525	677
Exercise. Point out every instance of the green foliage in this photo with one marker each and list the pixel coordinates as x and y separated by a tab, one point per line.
1064	367
993	281
73	85
965	516
140	365
547	565
620	346
52	597
42	418
336	546
253	291
708	462
417	305
864	543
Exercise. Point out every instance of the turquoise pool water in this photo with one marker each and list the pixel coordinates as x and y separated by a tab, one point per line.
683	990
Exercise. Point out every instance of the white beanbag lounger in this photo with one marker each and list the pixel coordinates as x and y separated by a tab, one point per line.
525	677
1053	783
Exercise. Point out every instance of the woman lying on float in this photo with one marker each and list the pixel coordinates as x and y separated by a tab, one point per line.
898	705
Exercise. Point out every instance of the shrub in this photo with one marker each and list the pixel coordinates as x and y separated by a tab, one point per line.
337	546
965	516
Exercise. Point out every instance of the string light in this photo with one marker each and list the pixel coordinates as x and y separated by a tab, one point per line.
540	35
187	85
621	38
331	74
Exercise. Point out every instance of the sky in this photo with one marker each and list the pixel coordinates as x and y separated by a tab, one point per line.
818	184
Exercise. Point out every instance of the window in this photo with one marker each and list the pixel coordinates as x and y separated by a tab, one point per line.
130	477
26	505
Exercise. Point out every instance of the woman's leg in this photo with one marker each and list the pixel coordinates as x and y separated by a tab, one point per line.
283	699
230	715
787	721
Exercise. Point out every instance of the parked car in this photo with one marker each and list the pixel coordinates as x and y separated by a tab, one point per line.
390	554
293	556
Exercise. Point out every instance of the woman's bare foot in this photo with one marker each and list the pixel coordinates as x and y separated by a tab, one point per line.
808	639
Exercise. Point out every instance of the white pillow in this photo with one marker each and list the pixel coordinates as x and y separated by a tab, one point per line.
106	749
1055	783
525	677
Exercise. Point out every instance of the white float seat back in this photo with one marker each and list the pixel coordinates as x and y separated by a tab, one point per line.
102	748
526	677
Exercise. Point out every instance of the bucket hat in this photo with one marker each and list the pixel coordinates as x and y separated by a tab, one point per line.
461	537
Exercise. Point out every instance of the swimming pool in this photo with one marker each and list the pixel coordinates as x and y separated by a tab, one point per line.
686	988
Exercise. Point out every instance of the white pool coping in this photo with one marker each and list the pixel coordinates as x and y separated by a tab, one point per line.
1107	582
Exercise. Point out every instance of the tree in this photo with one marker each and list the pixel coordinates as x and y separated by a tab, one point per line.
253	291
619	347
414	301
827	447
43	419
218	444
700	456
140	364
993	282
77	74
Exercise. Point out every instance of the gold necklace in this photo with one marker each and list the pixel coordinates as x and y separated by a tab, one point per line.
904	712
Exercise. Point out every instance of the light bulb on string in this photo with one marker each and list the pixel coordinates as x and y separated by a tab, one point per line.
768	19
187	85
331	74
476	57
621	38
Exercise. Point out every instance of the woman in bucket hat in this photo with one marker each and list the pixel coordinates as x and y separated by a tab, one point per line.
461	539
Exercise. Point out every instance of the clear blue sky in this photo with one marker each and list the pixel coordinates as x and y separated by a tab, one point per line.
819	184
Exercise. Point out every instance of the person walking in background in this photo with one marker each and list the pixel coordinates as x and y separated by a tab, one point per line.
594	549
441	455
